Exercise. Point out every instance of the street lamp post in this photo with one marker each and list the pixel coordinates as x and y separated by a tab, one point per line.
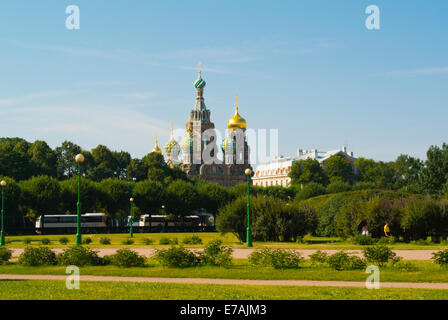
2	235
79	159
131	220
164	219
248	174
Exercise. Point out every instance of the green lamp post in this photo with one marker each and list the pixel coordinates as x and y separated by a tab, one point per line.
2	235
131	220
248	174
79	159
164	219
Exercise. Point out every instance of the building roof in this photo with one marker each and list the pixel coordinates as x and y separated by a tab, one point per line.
271	167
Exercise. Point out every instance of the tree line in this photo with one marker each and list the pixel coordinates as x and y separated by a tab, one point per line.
43	181
406	173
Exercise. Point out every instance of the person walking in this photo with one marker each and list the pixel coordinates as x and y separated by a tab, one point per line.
386	229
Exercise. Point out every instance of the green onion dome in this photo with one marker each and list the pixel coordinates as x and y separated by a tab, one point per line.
199	83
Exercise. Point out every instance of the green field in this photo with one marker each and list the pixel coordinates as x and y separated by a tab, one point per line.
228	239
426	272
56	290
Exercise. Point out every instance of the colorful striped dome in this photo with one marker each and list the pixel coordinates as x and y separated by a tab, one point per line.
227	144
199	83
172	147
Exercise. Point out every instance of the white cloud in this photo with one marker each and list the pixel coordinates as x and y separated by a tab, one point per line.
88	125
34	96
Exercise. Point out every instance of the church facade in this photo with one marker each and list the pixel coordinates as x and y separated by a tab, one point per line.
199	146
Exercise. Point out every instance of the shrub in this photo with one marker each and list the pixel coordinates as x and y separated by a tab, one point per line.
423	242
364	185
307	239
5	255
127	258
64	240
387	240
363	240
147	241
276	258
217	254
342	261
319	258
127	242
165	240
45	241
441	258
194	239
338	186
27	241
79	256
37	257
177	257
310	190
379	254
86	240
105	240
405	266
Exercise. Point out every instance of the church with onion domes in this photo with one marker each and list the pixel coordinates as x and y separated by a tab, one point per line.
199	147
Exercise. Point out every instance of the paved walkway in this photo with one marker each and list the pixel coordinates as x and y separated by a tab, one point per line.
244	253
414	285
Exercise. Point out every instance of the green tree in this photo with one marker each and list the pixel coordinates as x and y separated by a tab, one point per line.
423	218
408	171
306	171
337	186
41	195
136	170
66	164
337	167
182	198
90	194
122	160
212	196
115	195
312	189
382	174
149	196
105	163
14	217
14	158
43	159
435	172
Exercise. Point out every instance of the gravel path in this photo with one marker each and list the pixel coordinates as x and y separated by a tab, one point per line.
244	253
426	285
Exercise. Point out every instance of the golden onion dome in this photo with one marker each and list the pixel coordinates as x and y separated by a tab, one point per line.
156	148
237	121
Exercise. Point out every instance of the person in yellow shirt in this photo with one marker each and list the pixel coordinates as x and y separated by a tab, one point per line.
386	230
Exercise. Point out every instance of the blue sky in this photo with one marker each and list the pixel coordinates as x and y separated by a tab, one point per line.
310	69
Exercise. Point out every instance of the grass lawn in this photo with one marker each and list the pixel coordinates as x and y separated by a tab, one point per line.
56	290
426	272
228	239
